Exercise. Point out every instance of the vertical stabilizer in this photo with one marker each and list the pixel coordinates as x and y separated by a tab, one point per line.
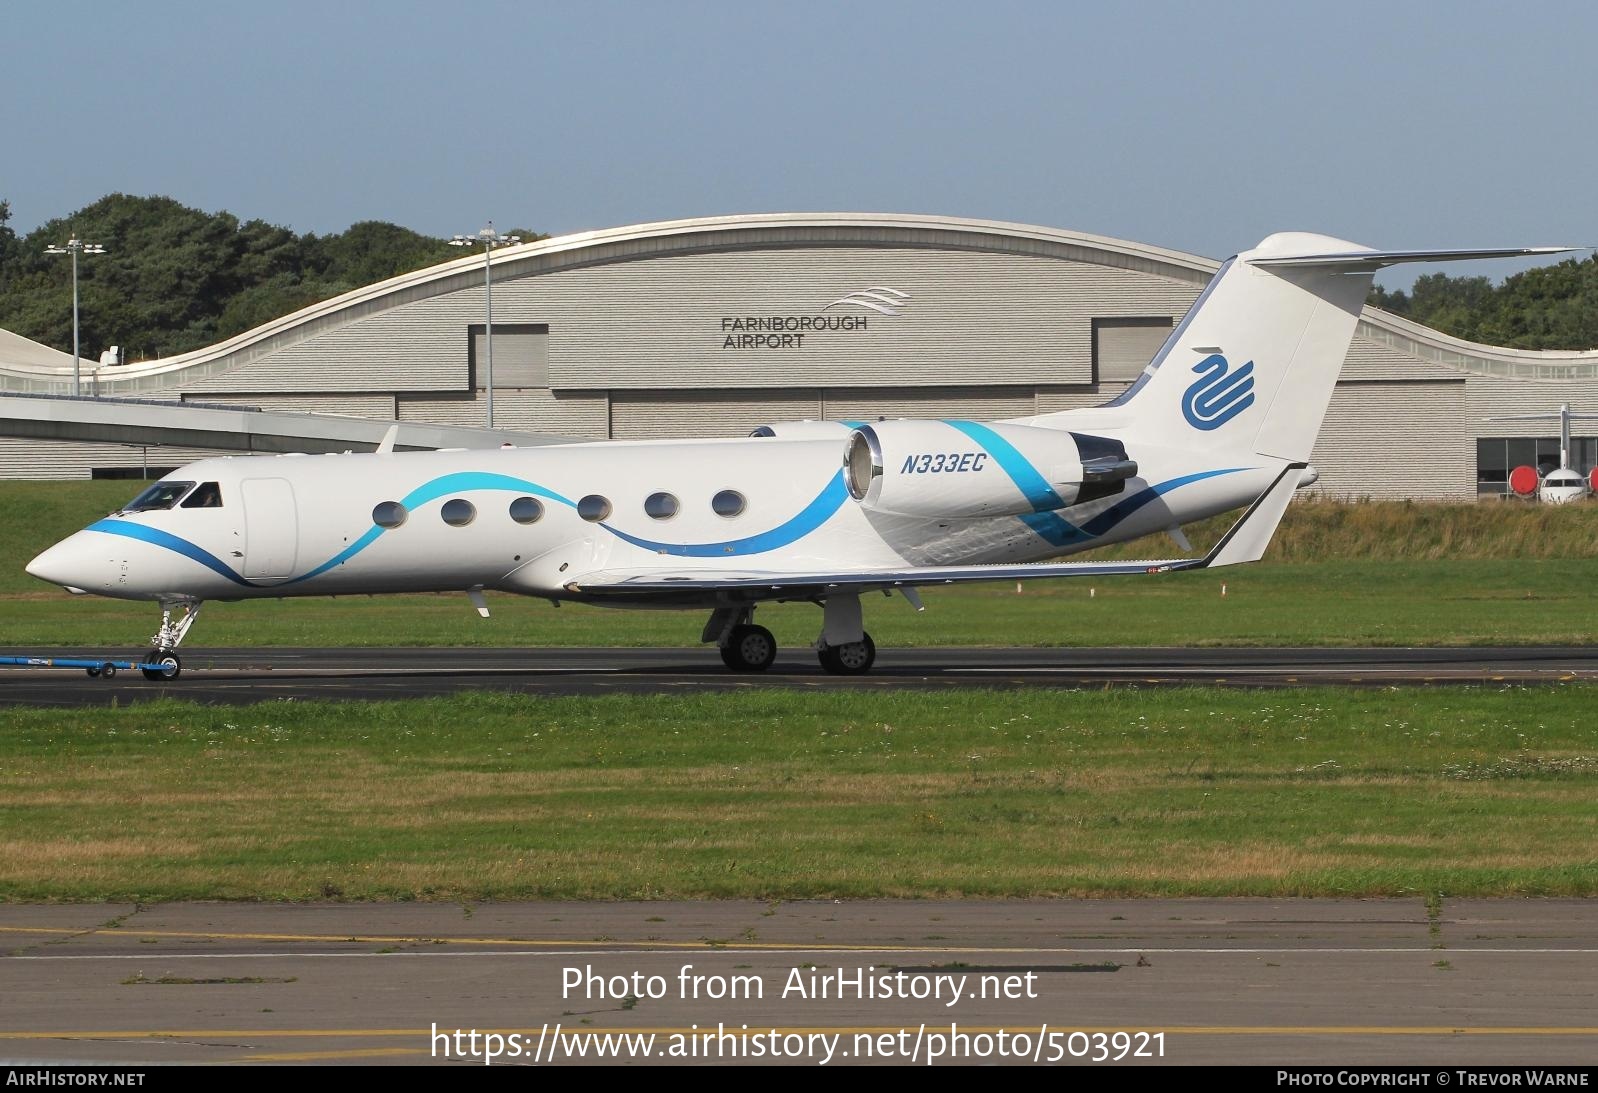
1251	369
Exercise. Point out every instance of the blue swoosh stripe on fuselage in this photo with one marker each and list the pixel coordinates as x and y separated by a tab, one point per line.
461	481
808	519
1054	529
155	536
458	482
1027	478
812	516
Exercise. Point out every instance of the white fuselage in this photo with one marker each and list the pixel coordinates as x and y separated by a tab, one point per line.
309	525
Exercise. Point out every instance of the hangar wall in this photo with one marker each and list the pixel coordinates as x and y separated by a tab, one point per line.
712	327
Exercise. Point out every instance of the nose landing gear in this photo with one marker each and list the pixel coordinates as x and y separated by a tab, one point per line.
163	662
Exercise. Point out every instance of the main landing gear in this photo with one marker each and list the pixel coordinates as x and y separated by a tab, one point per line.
852	658
844	648
749	648
163	661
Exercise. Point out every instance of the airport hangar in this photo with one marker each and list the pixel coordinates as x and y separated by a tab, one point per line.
715	326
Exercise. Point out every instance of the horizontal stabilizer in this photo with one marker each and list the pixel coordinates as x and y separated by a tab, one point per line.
1364	261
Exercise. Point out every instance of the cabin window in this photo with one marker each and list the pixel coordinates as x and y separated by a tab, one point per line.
727	503
593	508
207	495
458	512
389	514
162	495
660	506
526	510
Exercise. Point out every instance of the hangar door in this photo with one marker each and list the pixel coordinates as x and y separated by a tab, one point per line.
271	527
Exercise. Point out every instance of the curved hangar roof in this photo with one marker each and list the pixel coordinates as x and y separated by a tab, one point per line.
756	232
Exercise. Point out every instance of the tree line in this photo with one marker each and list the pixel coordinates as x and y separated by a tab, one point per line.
1550	307
176	278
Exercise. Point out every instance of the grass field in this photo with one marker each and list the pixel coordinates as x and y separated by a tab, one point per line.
772	794
1338	574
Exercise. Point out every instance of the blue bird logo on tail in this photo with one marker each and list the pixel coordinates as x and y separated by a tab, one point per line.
1218	395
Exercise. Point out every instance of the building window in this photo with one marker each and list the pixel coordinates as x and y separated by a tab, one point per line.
526	510
1496	456
727	503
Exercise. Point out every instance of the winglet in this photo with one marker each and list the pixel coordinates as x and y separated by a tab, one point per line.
1247	539
386	445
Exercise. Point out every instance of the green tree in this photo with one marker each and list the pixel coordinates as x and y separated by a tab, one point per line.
373	251
175	278
8	242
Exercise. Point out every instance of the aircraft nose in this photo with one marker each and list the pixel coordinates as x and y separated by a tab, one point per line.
66	564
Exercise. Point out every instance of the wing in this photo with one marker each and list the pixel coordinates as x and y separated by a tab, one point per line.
1245	541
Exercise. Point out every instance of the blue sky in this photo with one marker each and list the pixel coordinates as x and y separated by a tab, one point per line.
1201	127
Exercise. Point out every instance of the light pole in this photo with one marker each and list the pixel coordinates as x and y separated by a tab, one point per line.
74	246
488	238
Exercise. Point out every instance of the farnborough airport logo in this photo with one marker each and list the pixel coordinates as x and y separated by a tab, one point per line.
790	331
1218	395
889	301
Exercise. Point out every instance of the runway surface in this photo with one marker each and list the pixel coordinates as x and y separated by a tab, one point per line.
237	676
1253	981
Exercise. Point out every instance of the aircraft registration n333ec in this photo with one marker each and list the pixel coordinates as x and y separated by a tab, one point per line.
1223	418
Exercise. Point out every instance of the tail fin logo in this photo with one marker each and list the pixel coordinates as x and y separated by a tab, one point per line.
1218	395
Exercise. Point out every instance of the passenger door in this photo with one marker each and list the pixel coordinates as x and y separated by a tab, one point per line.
271	527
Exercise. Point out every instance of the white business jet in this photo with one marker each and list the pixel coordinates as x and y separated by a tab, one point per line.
1223	418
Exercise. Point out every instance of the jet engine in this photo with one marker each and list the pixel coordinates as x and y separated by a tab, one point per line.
967	469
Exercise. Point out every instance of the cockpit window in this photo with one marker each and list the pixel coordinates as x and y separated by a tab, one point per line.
208	495
162	495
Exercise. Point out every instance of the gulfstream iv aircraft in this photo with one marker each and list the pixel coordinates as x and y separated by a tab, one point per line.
1223	418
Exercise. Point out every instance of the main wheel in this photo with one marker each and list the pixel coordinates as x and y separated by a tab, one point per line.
853	658
167	666
749	649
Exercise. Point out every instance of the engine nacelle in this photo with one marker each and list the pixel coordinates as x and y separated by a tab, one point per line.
967	469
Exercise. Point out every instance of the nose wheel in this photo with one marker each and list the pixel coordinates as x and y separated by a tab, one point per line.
161	666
